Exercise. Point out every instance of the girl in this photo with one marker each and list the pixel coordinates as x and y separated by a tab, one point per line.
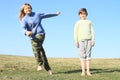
84	40
31	26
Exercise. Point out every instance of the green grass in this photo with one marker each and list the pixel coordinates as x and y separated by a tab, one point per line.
24	68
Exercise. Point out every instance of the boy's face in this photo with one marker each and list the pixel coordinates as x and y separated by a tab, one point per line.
83	15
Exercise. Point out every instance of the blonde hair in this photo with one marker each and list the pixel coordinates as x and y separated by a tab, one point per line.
22	14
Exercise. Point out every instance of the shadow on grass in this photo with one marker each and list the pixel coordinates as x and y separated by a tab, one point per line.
93	71
69	72
104	70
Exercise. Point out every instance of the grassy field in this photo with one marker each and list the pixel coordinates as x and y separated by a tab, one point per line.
24	68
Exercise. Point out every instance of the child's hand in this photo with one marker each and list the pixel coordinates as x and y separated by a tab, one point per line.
58	13
77	45
29	33
92	43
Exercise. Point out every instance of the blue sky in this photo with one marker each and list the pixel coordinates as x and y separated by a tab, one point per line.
59	40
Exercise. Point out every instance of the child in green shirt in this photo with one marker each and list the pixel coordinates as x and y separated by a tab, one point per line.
84	40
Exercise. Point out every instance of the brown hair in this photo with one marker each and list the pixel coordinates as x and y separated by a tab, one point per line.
83	10
22	14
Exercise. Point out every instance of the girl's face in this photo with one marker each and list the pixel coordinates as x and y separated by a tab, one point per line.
83	15
27	9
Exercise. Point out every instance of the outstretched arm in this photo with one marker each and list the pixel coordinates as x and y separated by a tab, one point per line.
50	15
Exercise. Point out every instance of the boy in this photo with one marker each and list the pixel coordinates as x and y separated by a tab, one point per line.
84	40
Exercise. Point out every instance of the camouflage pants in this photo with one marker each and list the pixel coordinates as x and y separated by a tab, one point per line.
39	52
